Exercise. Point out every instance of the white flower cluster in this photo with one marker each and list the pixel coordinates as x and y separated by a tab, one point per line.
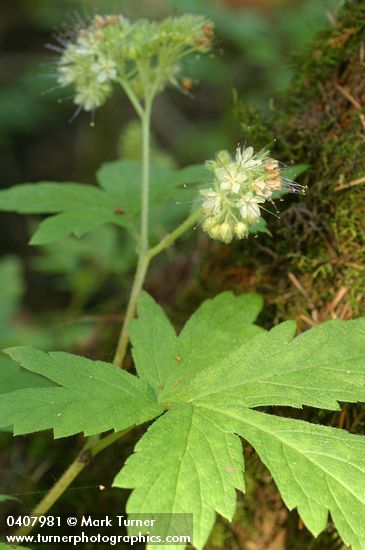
142	56
241	185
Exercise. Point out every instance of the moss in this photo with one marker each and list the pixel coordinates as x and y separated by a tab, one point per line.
320	238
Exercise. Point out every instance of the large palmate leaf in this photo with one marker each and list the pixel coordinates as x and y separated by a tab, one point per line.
201	468
216	328
190	460
93	396
319	470
79	208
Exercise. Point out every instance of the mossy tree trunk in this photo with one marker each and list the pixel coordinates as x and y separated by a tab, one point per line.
313	266
321	121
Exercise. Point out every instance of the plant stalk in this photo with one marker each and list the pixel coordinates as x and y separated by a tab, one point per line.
143	264
131	310
95	445
143	260
175	234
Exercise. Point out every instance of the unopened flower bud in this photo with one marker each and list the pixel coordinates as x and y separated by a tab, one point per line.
225	232
240	230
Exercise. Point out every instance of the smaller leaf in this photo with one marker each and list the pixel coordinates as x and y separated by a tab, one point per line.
75	222
49	197
80	208
292	172
260	227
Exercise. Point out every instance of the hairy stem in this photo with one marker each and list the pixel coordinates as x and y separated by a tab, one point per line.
146	129
131	310
139	280
143	260
175	234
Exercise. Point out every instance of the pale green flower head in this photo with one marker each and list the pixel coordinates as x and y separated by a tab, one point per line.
240	186
142	56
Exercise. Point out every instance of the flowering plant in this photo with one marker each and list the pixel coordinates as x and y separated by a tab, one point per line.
201	387
142	57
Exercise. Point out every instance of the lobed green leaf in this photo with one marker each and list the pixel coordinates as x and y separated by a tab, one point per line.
164	359
201	468
209	377
79	208
93	396
318	470
321	367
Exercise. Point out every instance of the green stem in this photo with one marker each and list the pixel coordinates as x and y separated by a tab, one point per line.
175	234
132	97
131	310
143	264
92	447
143	260
146	128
